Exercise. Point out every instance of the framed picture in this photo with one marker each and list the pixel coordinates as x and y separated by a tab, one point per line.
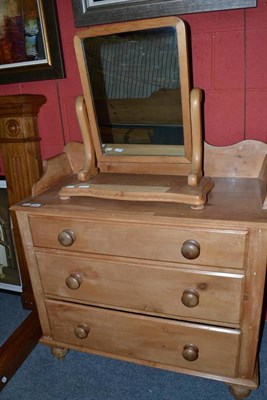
9	269
93	12
30	47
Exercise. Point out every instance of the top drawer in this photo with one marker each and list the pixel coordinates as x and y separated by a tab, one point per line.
144	241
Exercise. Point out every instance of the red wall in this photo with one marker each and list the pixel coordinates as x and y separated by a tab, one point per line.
230	64
229	60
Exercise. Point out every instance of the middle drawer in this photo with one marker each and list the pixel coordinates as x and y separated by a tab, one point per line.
147	288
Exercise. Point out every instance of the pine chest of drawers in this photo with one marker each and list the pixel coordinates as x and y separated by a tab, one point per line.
157	284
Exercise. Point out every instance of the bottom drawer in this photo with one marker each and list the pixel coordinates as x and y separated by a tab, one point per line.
168	342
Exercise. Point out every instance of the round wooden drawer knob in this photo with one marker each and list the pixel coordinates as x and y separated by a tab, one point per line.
190	298
67	237
74	281
190	249
81	331
190	352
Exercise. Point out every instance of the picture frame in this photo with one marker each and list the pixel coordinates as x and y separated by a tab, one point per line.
9	269
94	12
35	53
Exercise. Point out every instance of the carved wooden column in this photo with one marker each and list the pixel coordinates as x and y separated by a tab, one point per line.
20	149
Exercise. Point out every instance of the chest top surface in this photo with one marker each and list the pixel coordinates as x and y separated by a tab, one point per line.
239	195
232	200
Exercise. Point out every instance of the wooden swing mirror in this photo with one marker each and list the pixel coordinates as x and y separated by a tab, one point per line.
140	120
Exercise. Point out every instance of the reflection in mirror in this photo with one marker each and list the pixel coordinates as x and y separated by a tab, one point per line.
136	89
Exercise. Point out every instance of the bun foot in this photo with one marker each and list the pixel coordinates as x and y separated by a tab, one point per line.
59	352
239	392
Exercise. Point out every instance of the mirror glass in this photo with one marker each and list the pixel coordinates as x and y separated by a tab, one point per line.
136	91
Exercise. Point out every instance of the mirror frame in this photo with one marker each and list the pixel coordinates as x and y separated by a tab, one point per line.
174	165
86	15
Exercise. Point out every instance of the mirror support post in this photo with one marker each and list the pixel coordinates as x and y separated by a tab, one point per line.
89	168
195	111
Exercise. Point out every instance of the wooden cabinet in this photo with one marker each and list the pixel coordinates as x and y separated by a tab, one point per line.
154	283
20	148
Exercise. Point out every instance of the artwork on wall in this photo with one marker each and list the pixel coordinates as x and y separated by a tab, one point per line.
101	2
29	41
93	12
9	269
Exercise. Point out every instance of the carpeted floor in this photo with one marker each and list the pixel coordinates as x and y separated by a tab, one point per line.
87	377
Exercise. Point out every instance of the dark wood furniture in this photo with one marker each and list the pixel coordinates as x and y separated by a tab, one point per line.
20	149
